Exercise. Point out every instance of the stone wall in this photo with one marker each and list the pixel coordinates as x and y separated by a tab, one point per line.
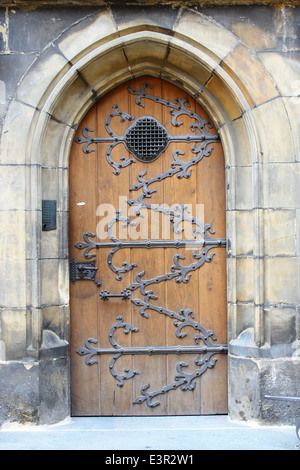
242	63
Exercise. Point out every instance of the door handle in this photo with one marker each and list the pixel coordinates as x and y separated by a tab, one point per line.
124	295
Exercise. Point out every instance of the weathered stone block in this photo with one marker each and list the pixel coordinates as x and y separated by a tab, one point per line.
34	392
283	184
13	234
244	390
254	77
183	60
245	317
254	380
239	151
19	116
245	279
275	132
83	35
134	18
77	91
54	385
56	318
297	222
214	39
280	236
137	53
229	107
55	285
19	391
245	233
3	31
108	64
292	106
53	155
43	73
283	327
280	377
284	69
50	241
14	333
13	67
50	182
244	188
13	284
252	24
253	36
282	280
34	29
13	188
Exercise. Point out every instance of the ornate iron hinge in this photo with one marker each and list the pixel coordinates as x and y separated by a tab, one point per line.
146	139
184	380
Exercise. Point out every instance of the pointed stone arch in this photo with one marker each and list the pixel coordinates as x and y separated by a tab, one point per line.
81	65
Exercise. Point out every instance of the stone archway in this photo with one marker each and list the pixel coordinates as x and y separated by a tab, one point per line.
83	68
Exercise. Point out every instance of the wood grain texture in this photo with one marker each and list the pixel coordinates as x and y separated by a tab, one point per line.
95	392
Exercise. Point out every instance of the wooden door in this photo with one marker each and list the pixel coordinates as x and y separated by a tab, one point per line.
148	256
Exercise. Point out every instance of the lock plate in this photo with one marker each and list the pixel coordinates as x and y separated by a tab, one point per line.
83	270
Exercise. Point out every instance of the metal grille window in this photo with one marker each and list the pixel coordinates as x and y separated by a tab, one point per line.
146	139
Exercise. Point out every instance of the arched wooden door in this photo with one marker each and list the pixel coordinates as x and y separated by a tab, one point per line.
148	256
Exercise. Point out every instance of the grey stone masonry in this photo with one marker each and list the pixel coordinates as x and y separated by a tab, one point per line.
242	62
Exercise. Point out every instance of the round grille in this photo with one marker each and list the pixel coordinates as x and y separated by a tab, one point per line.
146	139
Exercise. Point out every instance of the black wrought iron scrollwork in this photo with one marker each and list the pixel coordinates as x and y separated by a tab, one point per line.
178	271
178	108
113	140
146	138
138	140
203	339
183	380
118	351
182	169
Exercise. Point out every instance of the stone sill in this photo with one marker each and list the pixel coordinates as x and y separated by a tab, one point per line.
245	346
52	347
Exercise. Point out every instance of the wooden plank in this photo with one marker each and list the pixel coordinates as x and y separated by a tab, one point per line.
152	330
83	294
181	295
110	188
212	276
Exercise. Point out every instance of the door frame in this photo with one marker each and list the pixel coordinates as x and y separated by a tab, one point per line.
47	147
